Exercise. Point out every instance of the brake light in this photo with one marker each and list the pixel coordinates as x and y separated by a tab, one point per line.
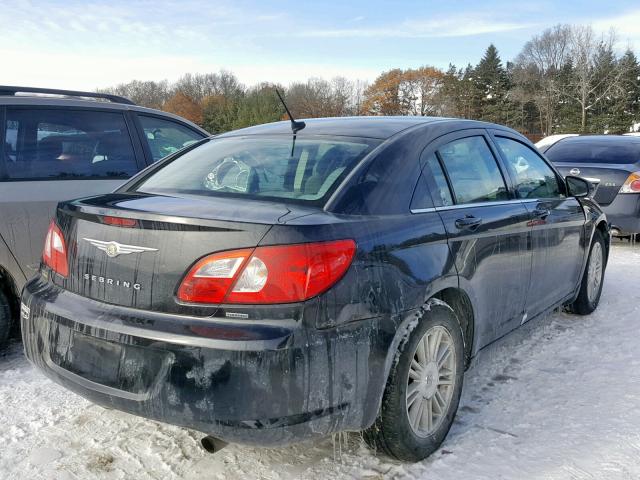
120	222
55	251
267	275
632	184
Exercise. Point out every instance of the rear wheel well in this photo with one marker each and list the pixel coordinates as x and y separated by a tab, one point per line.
8	287
602	227
459	301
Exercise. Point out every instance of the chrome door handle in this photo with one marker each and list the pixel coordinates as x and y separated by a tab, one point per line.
468	223
541	212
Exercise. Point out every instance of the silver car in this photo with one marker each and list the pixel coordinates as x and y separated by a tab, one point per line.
611	161
57	145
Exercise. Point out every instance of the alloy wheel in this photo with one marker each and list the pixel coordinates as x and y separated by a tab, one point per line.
594	274
430	382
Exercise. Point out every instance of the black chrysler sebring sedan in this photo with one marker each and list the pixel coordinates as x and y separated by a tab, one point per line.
274	283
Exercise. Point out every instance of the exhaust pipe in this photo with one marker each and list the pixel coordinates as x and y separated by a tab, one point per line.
212	444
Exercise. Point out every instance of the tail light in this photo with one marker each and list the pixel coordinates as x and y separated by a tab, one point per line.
632	184
274	274
55	251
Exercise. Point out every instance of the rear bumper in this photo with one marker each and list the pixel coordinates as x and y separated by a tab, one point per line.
263	384
624	212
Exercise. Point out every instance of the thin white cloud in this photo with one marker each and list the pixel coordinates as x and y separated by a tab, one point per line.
132	18
38	69
272	17
626	27
451	26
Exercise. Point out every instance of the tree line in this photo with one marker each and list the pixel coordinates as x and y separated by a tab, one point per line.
566	79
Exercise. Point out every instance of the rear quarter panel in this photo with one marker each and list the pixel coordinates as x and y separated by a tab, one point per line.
595	216
10	268
401	261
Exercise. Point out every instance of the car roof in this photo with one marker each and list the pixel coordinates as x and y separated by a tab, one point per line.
44	101
551	139
600	139
369	127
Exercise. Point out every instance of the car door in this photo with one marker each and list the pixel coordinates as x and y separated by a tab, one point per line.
163	136
56	154
486	227
557	224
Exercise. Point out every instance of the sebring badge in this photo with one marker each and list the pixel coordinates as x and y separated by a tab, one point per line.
574	171
113	249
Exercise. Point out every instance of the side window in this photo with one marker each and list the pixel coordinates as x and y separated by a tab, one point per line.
11	141
421	197
473	171
62	144
440	188
532	176
165	136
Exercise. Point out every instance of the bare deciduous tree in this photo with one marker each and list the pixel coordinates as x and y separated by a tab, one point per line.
406	92
321	98
201	85
587	85
146	93
538	69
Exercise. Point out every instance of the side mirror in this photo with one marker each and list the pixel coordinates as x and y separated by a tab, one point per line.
579	187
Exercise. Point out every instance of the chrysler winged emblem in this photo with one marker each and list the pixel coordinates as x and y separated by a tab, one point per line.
113	249
574	171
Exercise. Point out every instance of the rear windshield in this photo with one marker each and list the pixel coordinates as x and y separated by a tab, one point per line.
585	150
262	167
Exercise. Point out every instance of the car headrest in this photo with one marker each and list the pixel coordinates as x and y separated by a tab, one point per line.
49	149
332	159
112	146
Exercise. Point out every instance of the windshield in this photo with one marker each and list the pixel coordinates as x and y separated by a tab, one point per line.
591	150
262	167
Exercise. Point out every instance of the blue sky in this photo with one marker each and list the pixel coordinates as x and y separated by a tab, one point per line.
84	44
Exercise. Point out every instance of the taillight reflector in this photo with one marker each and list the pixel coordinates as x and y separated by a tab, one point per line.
210	278
267	275
632	184
54	254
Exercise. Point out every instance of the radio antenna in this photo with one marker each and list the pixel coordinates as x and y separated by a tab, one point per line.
296	125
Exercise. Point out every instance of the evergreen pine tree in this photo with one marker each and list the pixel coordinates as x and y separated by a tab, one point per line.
568	114
471	96
492	84
626	108
601	115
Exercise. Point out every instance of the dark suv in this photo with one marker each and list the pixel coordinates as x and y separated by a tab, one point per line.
60	146
267	286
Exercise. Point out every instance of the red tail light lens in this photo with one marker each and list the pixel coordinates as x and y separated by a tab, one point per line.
632	184
55	251
266	275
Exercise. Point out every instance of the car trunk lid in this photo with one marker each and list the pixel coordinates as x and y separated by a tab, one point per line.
611	177
141	267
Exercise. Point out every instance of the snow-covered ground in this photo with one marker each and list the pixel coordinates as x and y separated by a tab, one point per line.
557	399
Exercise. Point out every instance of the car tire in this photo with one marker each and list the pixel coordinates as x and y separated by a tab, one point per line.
592	278
405	432
5	319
